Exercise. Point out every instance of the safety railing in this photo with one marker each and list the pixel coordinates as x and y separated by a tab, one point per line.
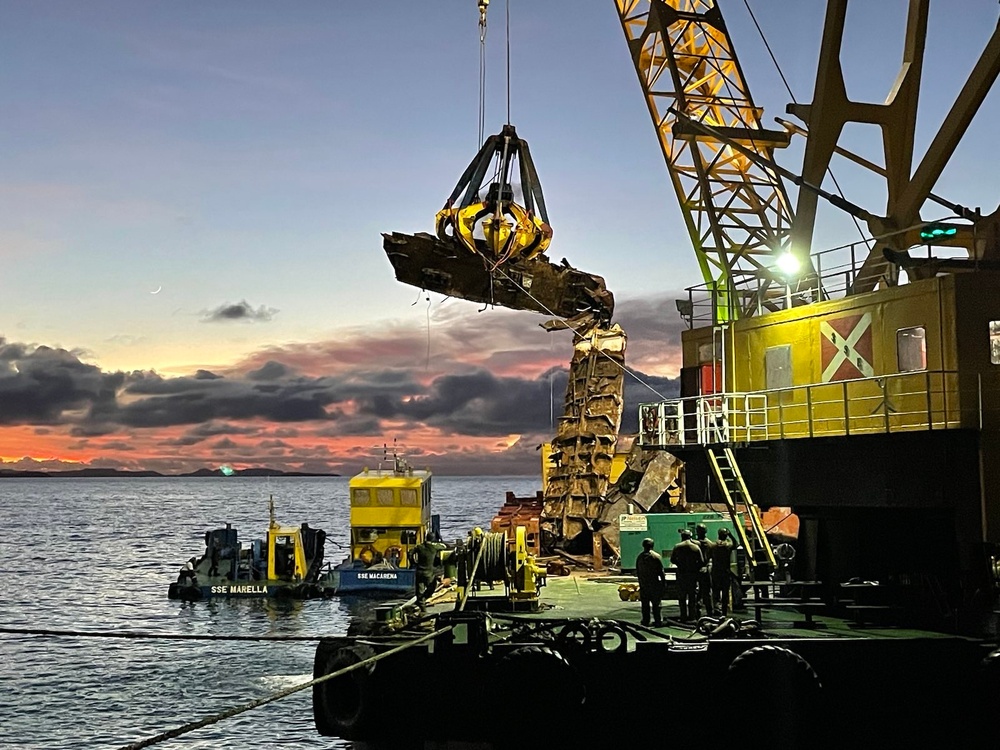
926	400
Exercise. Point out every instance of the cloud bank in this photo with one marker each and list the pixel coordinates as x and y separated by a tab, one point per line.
472	393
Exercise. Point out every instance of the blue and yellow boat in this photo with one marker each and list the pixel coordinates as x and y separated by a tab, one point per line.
390	515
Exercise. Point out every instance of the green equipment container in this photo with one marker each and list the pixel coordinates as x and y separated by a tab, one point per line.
665	530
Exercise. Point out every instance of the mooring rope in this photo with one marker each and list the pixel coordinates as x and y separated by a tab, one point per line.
139	635
229	713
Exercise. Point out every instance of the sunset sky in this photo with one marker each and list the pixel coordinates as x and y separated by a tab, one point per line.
192	196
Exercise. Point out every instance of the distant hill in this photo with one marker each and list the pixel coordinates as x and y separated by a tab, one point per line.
104	473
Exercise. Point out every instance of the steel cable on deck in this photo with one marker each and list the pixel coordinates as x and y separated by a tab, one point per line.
494	556
229	713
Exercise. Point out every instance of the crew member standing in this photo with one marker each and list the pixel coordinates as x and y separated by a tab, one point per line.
424	558
649	571
686	555
722	574
705	573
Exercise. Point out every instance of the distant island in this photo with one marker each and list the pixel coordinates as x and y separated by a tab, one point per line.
104	473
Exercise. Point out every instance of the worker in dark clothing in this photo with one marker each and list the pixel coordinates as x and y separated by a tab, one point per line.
686	556
649	570
722	574
424	560
214	570
705	573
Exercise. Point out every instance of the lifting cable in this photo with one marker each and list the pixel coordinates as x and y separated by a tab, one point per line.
508	62
483	5
229	713
791	94
617	364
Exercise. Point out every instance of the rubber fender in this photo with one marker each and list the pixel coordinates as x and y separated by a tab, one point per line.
574	637
189	593
172	591
989	669
611	638
793	689
346	706
531	667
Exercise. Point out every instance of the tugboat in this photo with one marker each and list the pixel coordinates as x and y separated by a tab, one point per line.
390	515
287	563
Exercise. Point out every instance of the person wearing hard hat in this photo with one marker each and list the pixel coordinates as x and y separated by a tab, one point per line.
722	574
649	570
686	556
424	558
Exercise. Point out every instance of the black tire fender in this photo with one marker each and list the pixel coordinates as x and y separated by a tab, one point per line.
794	691
531	665
574	637
616	634
989	669
345	706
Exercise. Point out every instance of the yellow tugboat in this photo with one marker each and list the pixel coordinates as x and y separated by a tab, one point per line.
390	515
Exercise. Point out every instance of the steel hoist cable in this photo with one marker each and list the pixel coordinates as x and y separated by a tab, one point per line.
483	5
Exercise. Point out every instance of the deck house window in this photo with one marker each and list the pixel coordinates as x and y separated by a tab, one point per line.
360	496
384	496
408	496
911	349
995	342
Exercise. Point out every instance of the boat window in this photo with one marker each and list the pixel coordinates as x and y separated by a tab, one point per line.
360	496
408	536
911	349
384	496
365	536
995	342
408	496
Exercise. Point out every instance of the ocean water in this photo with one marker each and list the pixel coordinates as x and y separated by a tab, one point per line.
97	555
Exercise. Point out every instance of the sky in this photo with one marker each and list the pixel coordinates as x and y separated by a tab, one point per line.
192	196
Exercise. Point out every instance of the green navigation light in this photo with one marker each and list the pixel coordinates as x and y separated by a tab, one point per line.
227	470
937	231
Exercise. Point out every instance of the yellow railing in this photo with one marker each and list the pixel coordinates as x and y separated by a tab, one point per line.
914	401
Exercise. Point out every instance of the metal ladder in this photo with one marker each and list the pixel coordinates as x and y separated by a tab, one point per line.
734	490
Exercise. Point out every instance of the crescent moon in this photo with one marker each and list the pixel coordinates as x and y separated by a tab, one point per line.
157	290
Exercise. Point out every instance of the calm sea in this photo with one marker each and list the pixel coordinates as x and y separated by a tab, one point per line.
98	554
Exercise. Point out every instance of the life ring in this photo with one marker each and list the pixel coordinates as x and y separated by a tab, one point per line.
611	638
793	687
345	706
574	637
393	555
367	555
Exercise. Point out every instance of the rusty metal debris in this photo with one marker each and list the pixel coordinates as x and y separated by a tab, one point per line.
489	248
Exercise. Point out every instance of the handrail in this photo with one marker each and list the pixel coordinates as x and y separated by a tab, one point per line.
899	402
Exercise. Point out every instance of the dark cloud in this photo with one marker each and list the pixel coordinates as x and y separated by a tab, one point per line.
239	311
490	376
39	385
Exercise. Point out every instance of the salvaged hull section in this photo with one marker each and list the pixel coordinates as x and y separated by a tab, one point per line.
584	446
424	261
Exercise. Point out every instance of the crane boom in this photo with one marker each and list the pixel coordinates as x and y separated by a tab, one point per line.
736	211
